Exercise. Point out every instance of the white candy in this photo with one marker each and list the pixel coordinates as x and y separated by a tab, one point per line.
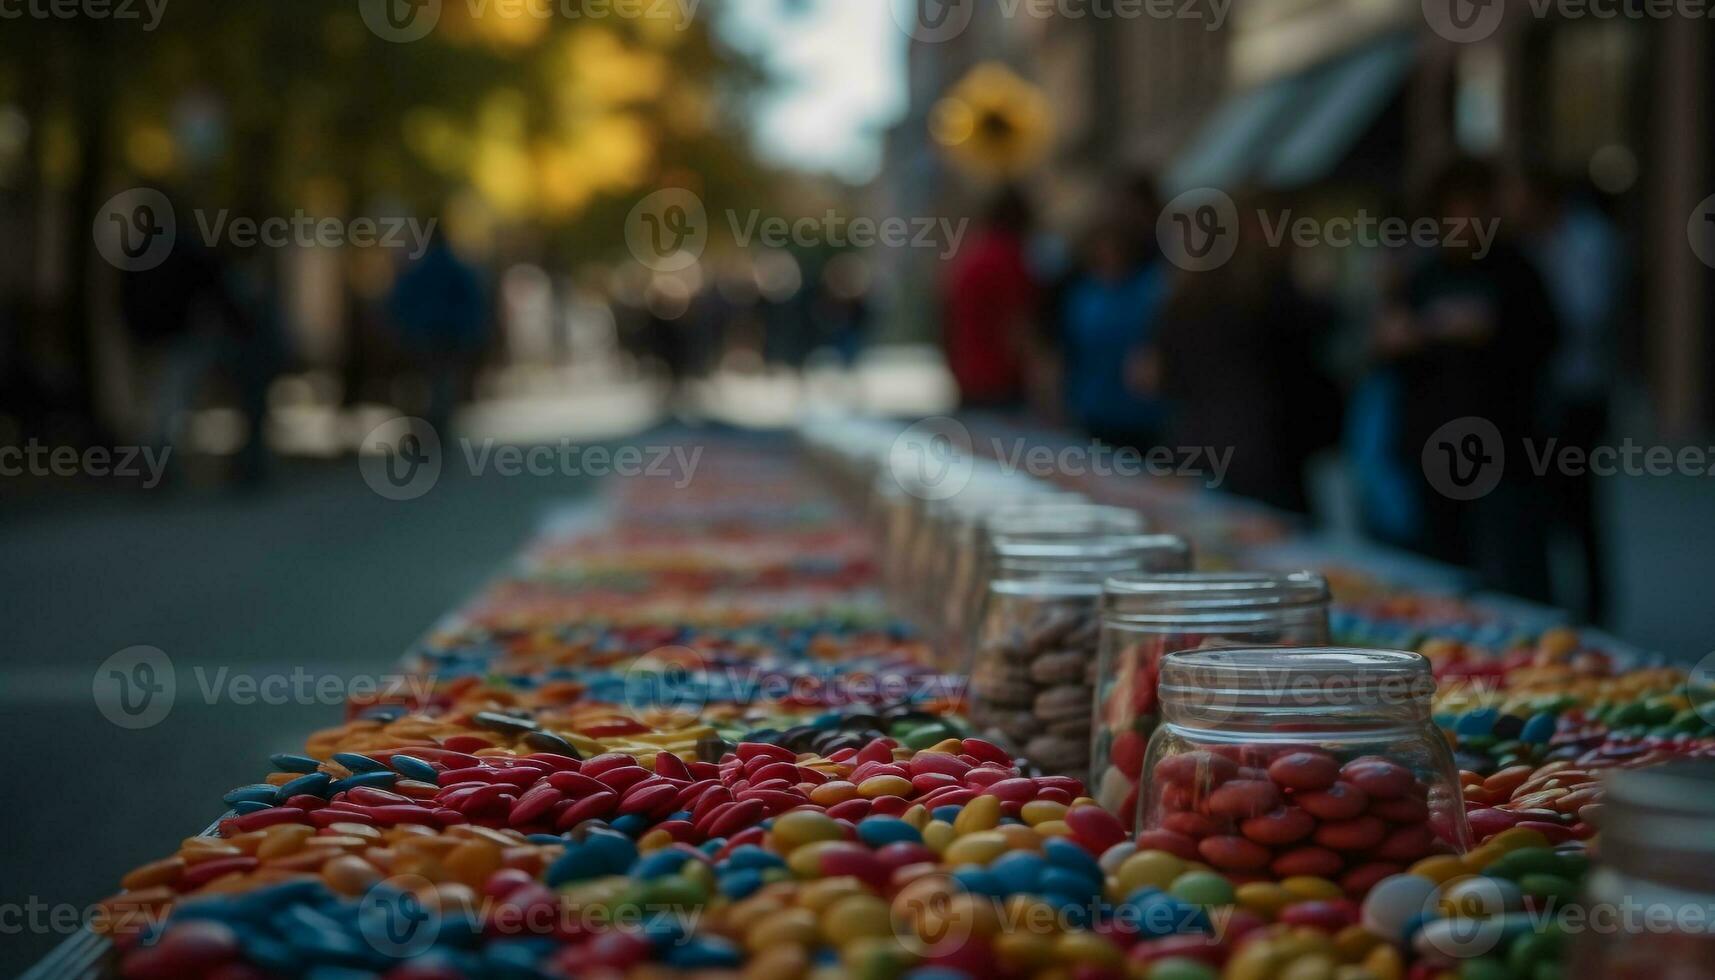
1459	939
1396	901
1115	856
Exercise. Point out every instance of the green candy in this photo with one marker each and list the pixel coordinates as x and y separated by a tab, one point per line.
1545	885
1484	968
1533	948
1514	865
1203	888
924	736
1181	968
673	891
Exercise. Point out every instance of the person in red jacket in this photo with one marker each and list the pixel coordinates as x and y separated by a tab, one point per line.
989	298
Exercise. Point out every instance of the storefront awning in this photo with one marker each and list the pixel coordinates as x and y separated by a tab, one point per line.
1296	129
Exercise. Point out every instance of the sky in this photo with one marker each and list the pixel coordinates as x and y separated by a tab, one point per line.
841	65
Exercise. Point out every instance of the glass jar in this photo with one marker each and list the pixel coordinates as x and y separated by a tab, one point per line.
1146	617
1313	761
1036	641
1649	906
1054	520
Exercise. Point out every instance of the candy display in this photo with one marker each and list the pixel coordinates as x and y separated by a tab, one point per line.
686	733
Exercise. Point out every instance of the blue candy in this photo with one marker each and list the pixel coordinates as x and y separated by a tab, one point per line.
254	793
881	831
412	767
358	763
377	780
287	762
1019	871
740	883
315	784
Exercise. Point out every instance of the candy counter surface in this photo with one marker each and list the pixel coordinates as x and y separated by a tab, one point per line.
683	734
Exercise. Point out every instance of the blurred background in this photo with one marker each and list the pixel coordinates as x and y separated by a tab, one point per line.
238	236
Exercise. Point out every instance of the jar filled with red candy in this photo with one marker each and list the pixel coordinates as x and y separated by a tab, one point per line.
1648	909
1320	761
1036	640
1146	617
1066	518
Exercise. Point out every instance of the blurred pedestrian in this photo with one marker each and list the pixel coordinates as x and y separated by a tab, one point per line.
1108	319
989	300
1469	335
1581	258
1238	368
440	306
193	317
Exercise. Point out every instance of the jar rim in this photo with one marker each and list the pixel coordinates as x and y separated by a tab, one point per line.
1300	677
1146	597
1052	517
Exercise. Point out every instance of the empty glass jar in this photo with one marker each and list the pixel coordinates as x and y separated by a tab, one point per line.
1300	761
1036	641
1649	907
1146	617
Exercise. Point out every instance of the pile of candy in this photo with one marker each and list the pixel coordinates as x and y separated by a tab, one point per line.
691	740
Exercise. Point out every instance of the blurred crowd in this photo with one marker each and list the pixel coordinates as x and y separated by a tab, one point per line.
1516	328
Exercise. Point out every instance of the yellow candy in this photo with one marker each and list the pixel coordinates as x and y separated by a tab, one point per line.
834	792
1023	950
1385	963
976	848
778	963
1265	898
1154	868
917	816
1316	966
654	840
1353	943
1440	869
1319	889
799	827
818	896
1514	838
472	862
742	916
982	813
856	917
1053	828
1019	837
806	861
876	786
947	746
1481	858
795	927
937	834
1042	811
1087	947
874	958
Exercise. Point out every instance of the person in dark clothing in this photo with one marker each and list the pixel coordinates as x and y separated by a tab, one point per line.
1237	366
1469	335
440	306
1108	319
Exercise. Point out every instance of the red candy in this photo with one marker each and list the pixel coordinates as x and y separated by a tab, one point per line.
1230	853
1304	771
1241	798
1341	801
1379	778
1283	826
